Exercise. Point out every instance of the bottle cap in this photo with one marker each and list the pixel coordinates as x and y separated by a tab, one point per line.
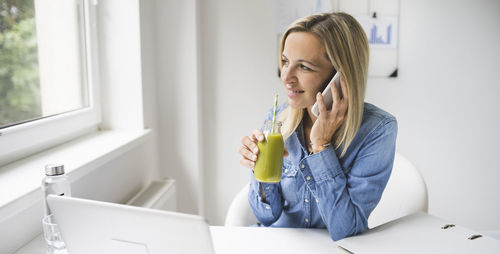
54	169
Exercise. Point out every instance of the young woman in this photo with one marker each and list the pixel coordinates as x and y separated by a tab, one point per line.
336	165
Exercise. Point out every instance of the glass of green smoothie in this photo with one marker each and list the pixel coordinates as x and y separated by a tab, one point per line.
270	160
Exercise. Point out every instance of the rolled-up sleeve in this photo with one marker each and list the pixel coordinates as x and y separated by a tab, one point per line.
267	210
346	197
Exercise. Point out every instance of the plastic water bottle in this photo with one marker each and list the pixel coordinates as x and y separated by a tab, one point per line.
55	182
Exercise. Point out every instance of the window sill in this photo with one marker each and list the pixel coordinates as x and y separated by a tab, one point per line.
21	180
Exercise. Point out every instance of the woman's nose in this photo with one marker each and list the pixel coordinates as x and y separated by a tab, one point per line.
288	75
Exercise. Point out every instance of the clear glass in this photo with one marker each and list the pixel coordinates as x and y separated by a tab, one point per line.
270	159
42	64
53	237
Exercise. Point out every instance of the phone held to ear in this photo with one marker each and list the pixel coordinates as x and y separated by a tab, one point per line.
327	94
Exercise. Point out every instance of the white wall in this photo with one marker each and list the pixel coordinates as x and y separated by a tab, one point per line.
177	85
444	99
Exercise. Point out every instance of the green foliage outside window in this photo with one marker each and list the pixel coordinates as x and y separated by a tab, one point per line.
19	79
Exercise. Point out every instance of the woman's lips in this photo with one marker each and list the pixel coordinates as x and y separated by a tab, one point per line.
294	93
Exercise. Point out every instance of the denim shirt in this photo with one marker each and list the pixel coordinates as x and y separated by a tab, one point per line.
321	190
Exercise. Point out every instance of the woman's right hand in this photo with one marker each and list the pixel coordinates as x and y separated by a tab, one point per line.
250	151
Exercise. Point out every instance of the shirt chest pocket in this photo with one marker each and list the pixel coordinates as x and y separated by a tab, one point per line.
288	170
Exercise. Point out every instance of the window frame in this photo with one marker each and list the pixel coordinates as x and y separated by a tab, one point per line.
19	141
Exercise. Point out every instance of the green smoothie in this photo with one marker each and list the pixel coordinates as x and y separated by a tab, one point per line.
270	160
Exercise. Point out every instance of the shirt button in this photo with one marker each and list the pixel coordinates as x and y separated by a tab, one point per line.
307	200
267	188
317	200
302	166
307	220
308	178
286	170
268	207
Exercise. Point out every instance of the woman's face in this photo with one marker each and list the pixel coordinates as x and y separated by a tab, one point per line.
306	69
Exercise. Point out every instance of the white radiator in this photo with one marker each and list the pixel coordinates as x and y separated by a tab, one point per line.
159	194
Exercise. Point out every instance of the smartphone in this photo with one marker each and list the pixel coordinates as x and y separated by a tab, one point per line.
327	94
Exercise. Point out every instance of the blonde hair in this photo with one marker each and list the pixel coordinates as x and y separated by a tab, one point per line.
347	49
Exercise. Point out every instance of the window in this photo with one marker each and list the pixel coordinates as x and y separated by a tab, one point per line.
47	74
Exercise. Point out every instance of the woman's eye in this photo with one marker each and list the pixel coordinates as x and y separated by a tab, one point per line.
285	62
303	67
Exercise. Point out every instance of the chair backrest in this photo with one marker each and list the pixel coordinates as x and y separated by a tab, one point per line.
404	194
239	212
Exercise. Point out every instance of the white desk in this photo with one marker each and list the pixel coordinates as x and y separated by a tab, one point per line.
230	240
251	240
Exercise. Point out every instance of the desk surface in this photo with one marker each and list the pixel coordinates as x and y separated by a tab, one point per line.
230	240
272	240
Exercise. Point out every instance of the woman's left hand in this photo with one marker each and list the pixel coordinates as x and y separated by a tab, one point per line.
329	121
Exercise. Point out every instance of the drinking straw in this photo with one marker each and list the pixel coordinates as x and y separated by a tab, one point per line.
274	112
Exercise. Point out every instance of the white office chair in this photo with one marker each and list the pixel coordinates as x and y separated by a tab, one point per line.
404	194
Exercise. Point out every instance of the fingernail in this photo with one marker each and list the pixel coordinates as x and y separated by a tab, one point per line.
261	137
252	163
256	150
254	157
